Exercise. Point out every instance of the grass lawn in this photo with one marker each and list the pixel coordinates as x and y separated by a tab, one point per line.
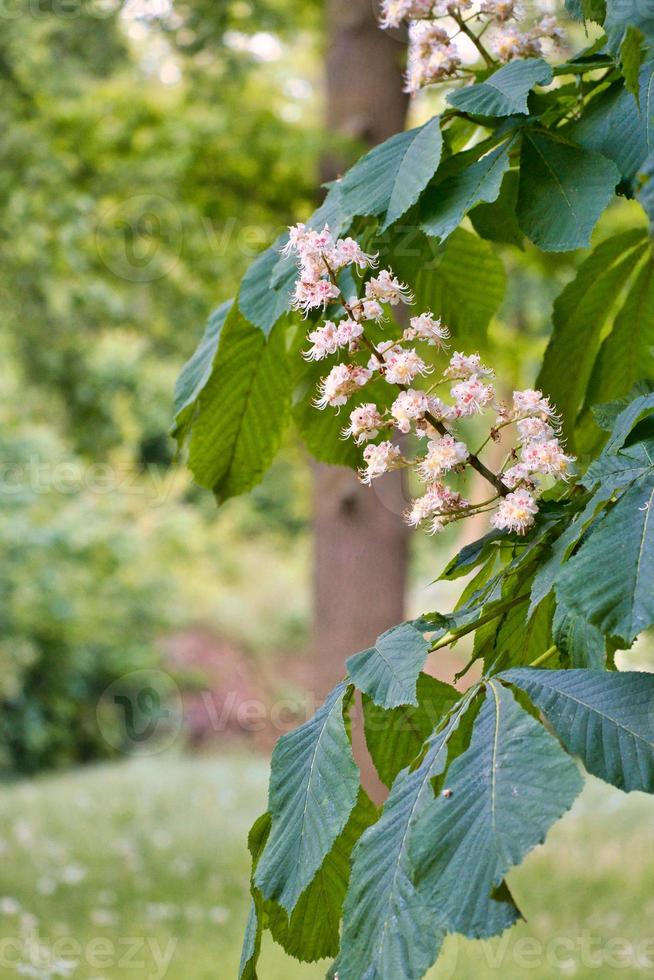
139	870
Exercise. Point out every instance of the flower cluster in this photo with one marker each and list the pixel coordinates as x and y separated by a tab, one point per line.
536	452
434	54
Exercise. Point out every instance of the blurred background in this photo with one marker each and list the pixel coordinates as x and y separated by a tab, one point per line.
153	647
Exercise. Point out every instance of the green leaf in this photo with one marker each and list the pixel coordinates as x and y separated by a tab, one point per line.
519	638
621	16
251	945
579	641
388	931
464	285
197	371
497	221
252	940
604	717
637	410
628	350
612	125
579	314
505	91
646	89
631	56
388	671
390	178
314	784
562	192
313	930
609	580
262	301
395	736
645	192
594	10
471	555
241	411
504	793
445	205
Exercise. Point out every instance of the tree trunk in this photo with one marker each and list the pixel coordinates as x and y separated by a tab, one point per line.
361	542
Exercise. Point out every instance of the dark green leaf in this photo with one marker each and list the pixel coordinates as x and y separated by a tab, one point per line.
646	89
631	55
388	930
578	316
395	736
502	796
628	350
464	285
628	419
197	371
389	670
252	940
472	555
390	178
505	91
242	409
594	10
260	301
604	717
612	125
314	784
497	221
645	192
621	16
251	945
445	205
609	580
562	192
578	640
313	930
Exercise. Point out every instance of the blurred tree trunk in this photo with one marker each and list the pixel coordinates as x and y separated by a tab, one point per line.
360	540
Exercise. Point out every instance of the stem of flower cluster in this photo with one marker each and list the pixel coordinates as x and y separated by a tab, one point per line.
463	27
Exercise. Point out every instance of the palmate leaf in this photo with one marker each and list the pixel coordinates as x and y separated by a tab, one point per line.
562	192
197	371
395	736
388	671
444	206
627	354
502	795
605	718
631	56
313	930
612	125
615	470
609	580
263	301
464	284
313	788
241	411
621	16
638	409
497	221
391	177
505	91
578	640
646	100
257	838
388	931
578	316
